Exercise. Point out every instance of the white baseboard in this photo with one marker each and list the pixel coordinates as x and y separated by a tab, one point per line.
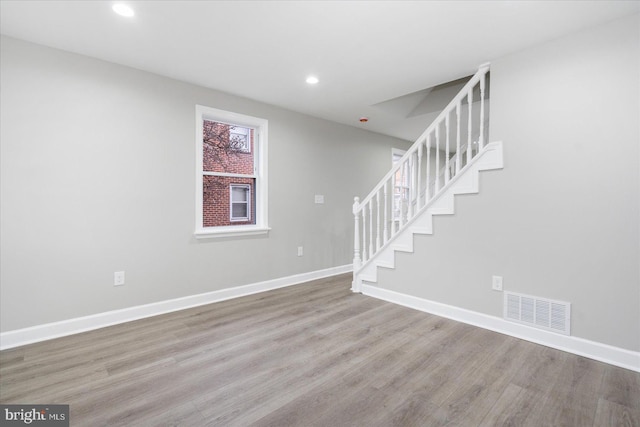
63	328
593	350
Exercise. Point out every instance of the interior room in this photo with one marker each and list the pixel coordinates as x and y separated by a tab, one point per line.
320	213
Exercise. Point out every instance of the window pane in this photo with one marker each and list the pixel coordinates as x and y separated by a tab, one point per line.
214	192
239	210
227	148
239	194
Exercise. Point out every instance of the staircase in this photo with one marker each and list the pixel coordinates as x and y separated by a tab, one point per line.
444	161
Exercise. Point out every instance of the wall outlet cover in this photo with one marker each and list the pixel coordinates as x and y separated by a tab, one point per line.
118	278
496	283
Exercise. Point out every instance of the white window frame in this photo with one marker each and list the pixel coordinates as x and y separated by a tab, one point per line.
260	138
247	188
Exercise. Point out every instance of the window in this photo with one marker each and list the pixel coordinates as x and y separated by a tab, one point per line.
231	178
240	202
240	138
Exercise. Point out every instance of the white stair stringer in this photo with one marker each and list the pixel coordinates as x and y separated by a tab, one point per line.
443	203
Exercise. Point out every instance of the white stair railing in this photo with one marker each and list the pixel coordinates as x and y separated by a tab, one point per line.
422	172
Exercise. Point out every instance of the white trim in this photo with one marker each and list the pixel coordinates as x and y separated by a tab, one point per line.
594	350
230	231
63	328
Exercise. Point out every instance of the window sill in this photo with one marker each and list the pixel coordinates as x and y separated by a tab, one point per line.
231	231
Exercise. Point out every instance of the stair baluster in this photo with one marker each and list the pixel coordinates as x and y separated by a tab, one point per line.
437	158
447	172
364	235
385	236
481	138
428	184
458	148
378	243
371	227
469	129
419	185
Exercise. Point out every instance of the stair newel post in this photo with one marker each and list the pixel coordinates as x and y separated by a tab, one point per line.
428	180
447	173
419	186
481	138
385	226
458	148
371	251
470	125
357	261
437	186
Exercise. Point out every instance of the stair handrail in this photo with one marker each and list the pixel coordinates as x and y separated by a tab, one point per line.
359	207
474	80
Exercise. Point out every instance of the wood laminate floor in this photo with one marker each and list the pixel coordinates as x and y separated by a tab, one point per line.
314	355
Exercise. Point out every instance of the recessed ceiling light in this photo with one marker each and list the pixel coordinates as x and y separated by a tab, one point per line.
123	10
312	80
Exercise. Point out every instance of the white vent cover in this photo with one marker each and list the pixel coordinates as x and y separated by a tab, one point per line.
540	313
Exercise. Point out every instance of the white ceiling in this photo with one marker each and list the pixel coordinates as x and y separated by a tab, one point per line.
364	52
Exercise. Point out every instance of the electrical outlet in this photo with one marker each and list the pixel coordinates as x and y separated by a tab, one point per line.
300	251
496	283
118	278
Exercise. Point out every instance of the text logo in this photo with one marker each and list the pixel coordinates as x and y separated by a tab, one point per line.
34	415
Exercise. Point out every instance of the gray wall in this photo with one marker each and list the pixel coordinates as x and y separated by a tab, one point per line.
562	219
98	176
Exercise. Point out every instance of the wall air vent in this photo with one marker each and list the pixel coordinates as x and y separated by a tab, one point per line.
554	316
